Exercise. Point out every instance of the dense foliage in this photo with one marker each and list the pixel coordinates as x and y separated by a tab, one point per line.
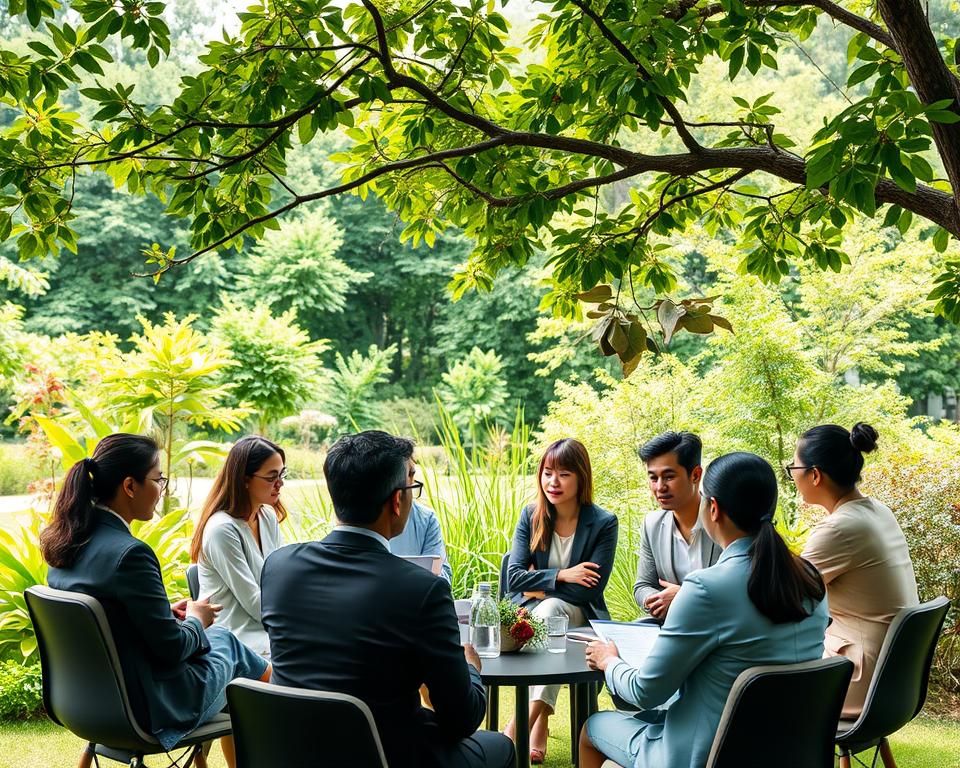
452	126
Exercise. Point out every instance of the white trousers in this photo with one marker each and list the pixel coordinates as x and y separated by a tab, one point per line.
554	606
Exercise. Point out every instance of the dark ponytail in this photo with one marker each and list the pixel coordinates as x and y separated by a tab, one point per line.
782	586
836	452
89	481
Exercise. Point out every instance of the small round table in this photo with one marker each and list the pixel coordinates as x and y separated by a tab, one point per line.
541	668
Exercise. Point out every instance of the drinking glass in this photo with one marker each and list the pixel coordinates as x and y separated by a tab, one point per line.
557	634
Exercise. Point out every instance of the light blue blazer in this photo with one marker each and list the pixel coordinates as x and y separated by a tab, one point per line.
711	634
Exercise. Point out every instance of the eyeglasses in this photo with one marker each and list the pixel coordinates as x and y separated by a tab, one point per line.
416	488
161	482
788	470
274	477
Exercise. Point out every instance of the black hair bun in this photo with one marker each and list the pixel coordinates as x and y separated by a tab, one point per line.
863	437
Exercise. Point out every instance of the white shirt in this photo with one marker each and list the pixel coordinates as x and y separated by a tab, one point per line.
561	547
686	557
229	570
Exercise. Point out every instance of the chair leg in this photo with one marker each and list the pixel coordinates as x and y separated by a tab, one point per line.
844	759
199	757
86	757
886	755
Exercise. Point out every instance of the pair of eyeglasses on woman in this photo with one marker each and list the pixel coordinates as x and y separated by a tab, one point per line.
788	471
274	477
161	482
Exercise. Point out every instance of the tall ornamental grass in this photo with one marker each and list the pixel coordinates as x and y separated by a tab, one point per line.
478	501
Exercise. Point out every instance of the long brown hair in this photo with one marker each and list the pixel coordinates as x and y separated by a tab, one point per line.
88	482
229	492
571	455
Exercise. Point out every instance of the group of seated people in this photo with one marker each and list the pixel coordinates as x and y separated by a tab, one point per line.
346	614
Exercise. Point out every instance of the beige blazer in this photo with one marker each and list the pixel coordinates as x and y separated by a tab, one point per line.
863	557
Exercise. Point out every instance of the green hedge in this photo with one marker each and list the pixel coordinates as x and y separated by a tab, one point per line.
21	691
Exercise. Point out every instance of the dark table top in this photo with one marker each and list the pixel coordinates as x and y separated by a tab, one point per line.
540	667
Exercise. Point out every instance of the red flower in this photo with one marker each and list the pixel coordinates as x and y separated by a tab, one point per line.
521	631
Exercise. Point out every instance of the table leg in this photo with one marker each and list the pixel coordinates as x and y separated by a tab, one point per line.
522	721
493	708
583	697
594	705
574	746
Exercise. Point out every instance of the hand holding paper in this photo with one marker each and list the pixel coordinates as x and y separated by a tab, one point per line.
600	654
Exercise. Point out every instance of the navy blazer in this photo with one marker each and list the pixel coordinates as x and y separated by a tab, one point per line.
595	541
161	656
345	615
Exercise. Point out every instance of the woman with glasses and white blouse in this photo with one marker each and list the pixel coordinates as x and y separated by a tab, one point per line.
238	528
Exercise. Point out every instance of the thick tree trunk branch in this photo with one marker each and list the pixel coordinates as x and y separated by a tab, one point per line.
932	79
927	202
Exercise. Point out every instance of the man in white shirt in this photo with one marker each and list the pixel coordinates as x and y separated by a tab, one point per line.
673	543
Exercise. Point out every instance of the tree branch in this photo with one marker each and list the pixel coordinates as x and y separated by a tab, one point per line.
668	106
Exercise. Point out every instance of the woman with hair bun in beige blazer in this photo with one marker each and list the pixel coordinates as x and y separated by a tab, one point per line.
858	548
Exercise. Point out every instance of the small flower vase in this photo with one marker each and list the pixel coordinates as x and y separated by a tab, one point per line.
507	643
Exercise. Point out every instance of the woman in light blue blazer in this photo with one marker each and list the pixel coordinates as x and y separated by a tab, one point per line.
759	604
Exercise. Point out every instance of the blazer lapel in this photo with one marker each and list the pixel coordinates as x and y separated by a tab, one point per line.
584	524
666	547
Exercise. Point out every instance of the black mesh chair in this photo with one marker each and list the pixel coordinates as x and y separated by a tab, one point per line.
193	581
899	685
83	684
275	725
759	725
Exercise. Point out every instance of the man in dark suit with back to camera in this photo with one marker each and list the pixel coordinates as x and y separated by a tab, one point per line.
345	615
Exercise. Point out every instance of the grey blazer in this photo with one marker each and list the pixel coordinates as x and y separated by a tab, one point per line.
656	555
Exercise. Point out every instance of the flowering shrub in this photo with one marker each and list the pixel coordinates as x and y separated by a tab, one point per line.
521	625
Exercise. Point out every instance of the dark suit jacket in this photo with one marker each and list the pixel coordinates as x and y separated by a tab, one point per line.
161	656
345	615
595	541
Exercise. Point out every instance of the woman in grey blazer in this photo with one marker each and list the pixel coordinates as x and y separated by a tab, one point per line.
238	528
759	604
175	664
561	560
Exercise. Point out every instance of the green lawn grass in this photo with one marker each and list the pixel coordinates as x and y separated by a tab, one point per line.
924	743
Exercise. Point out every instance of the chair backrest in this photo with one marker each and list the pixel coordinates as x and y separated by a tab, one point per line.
274	725
787	710
83	686
193	581
502	589
899	685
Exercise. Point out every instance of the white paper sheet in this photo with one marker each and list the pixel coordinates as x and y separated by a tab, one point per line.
634	641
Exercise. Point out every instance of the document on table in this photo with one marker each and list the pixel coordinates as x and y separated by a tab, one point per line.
634	641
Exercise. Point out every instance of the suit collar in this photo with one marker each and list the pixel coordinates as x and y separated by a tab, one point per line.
584	523
738	548
346	538
112	519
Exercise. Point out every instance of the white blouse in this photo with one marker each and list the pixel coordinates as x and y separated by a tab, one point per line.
561	547
229	571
